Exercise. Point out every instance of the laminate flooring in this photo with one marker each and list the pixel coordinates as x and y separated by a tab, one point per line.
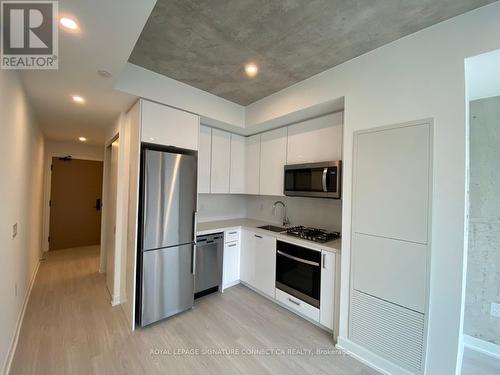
71	328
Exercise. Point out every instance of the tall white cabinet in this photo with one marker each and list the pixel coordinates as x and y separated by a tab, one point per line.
252	164
272	161
220	167
237	183
390	241
204	159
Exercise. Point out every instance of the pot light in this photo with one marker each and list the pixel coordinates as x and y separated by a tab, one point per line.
251	69
69	23
78	99
82	139
104	73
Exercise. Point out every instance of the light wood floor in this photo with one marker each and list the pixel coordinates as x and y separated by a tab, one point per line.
475	363
70	328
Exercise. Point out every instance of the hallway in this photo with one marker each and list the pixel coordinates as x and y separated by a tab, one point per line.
71	328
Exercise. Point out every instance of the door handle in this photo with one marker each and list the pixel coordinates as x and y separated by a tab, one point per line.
294	302
325	171
193	257
98	204
324	261
256	235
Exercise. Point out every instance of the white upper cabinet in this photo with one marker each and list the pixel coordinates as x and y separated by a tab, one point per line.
204	159
316	140
238	165
252	164
272	161
221	152
168	126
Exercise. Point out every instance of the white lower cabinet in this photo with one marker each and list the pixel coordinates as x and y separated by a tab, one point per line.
231	264
258	261
327	295
298	305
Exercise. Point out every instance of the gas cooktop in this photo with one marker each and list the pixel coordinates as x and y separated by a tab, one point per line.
313	234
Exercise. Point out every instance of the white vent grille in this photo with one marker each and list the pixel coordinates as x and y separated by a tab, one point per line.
391	331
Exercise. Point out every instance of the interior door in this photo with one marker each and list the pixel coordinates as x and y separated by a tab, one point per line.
111	214
75	199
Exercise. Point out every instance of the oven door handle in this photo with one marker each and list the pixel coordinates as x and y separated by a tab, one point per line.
325	172
298	259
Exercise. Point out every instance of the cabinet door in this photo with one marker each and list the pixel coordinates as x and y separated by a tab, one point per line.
247	257
252	161
315	140
204	159
272	161
168	126
231	263
221	152
265	264
327	297
238	165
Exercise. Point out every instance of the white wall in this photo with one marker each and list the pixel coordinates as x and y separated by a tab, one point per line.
58	149
420	76
21	187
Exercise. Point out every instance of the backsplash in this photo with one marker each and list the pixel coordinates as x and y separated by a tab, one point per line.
320	213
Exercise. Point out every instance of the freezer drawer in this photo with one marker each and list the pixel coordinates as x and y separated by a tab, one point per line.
167	282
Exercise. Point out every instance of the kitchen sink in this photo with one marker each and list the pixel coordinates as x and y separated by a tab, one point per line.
273	228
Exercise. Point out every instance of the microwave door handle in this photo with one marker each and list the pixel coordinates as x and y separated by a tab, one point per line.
325	171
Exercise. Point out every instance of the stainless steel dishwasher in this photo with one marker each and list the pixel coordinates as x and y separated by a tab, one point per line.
208	264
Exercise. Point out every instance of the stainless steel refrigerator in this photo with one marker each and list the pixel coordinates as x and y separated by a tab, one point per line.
167	235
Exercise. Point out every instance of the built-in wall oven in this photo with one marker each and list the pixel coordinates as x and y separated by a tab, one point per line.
298	272
321	180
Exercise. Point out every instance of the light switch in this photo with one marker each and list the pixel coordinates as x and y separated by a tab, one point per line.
14	230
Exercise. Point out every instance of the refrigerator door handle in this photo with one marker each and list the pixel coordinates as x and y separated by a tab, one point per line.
193	257
195	225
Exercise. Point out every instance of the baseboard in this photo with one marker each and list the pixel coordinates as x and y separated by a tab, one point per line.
482	346
370	359
227	286
115	300
20	318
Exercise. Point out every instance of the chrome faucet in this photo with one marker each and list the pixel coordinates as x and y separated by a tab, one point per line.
285	219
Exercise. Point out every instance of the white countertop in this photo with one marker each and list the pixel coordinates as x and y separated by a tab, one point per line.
210	227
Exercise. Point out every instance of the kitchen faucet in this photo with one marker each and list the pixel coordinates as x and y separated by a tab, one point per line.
285	220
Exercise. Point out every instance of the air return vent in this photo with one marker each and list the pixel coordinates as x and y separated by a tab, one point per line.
388	330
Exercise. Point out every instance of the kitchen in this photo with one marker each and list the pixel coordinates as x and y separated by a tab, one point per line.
291	263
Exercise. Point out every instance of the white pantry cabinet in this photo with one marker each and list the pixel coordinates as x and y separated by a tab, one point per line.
252	164
315	140
221	152
167	126
327	294
238	164
272	161
204	159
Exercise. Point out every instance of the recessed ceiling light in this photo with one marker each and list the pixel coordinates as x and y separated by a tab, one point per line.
69	23
78	99
82	139
104	73
251	69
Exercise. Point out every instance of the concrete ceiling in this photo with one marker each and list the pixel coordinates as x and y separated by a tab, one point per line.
108	34
206	43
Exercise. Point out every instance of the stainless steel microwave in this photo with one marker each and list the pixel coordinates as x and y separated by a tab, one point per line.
321	180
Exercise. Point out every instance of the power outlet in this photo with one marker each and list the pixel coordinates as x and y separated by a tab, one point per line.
495	310
14	230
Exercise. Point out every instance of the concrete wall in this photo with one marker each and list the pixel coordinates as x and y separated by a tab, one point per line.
21	197
483	267
416	77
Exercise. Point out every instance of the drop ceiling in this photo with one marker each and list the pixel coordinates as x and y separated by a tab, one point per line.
206	43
